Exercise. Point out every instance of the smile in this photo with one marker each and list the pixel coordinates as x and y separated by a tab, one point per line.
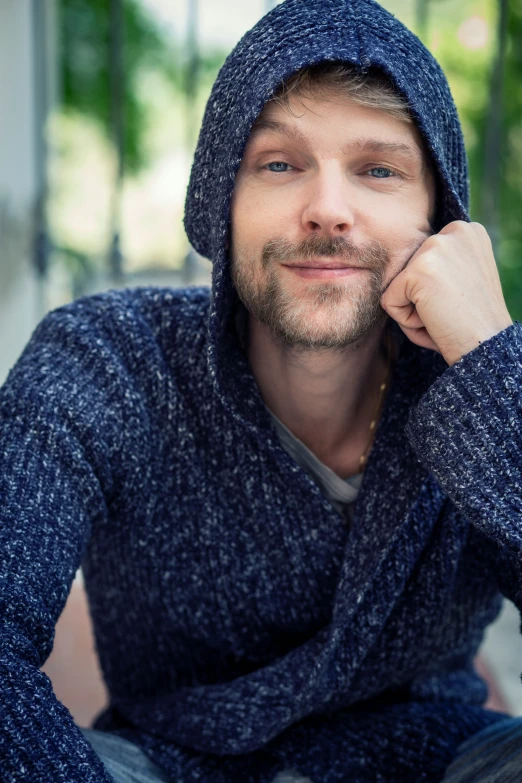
323	272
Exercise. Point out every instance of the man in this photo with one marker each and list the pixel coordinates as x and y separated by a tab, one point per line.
199	452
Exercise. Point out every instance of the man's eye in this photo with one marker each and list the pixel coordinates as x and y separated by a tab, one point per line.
278	164
383	172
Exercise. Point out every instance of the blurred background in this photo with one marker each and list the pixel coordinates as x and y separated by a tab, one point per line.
100	105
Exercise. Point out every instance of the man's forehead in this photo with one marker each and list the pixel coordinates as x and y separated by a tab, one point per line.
275	121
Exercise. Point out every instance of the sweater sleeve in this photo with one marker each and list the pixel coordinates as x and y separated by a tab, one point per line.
56	436
467	430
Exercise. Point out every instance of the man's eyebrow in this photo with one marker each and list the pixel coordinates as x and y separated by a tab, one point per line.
362	144
263	126
378	145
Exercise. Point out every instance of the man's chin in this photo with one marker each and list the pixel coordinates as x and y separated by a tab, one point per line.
320	334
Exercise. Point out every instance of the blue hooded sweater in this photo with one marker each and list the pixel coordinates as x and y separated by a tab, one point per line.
241	626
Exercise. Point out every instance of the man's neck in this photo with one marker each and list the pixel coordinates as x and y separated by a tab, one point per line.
327	399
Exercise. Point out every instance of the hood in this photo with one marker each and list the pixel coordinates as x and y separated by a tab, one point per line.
294	34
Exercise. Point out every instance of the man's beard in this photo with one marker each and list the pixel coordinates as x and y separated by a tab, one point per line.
349	310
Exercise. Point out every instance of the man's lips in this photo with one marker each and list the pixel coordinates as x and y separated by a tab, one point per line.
319	264
323	269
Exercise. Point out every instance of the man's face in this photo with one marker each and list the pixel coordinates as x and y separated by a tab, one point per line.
328	183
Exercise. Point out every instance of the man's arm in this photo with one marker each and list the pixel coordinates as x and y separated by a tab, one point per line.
55	444
467	430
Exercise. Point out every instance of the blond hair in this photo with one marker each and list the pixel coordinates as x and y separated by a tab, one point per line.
371	88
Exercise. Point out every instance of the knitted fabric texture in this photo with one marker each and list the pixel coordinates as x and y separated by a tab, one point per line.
241	626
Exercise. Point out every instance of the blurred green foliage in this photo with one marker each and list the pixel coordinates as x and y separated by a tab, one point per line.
469	74
85	65
85	37
510	249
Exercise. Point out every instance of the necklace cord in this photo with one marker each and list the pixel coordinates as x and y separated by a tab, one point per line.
378	408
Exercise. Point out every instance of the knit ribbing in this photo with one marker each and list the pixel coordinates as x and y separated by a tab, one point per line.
485	449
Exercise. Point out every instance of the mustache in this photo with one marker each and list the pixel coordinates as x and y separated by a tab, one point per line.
373	255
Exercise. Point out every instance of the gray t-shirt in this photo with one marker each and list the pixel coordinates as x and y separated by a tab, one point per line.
342	493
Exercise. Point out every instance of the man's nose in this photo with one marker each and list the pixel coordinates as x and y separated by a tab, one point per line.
329	203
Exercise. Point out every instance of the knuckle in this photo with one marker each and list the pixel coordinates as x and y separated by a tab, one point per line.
479	228
432	241
455	225
483	232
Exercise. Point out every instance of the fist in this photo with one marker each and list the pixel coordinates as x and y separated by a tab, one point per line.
448	297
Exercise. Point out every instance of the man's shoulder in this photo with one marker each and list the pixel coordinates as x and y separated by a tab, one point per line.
187	301
132	315
112	333
154	303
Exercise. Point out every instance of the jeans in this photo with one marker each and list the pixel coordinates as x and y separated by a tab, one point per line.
126	763
493	755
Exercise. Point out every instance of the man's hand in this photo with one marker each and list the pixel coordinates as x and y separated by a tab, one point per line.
449	297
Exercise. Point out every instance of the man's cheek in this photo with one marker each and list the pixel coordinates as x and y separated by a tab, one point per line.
398	260
409	248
